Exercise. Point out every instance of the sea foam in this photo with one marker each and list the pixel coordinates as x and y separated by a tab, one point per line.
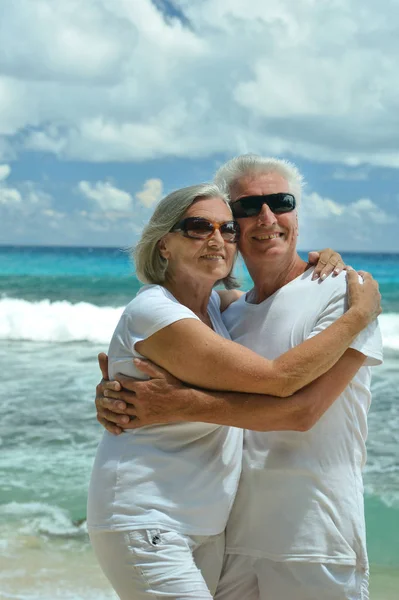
62	321
46	321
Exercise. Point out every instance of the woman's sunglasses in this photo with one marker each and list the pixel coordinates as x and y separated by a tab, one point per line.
202	229
250	206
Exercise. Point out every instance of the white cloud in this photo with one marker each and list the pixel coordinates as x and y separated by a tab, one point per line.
9	196
22	200
316	207
151	193
360	225
351	174
5	170
116	81
107	197
71	41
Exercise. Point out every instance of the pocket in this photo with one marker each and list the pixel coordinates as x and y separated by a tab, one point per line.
162	556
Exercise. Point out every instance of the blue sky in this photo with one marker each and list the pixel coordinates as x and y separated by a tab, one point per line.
106	107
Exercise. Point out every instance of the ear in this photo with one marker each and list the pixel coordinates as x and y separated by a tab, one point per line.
163	248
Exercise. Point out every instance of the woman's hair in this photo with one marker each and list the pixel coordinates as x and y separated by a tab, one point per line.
151	267
248	164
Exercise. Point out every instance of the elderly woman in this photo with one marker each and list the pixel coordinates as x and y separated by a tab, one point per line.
160	496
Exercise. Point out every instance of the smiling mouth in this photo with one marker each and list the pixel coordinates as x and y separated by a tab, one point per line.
213	257
269	236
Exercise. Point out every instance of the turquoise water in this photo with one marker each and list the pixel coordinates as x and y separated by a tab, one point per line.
58	308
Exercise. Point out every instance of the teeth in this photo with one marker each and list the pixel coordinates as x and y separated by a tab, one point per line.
272	236
212	256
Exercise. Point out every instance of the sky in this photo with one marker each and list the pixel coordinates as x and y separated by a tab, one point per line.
108	105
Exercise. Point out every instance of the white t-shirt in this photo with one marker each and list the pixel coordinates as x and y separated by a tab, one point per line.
181	476
300	496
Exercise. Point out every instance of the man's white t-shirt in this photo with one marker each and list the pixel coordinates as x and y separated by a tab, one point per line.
181	477
300	496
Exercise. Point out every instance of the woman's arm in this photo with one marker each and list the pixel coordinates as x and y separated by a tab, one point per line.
192	352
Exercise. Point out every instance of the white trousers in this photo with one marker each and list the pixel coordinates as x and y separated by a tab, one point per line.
150	564
248	578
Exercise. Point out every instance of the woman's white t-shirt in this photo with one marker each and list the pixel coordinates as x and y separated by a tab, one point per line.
180	476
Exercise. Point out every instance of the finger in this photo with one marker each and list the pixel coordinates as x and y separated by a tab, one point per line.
313	257
111	404
318	269
116	406
351	276
124	396
365	275
110	426
150	368
107	385
103	363
115	386
116	418
328	265
136	424
339	267
329	268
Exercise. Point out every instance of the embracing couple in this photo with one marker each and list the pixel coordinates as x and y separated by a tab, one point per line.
238	474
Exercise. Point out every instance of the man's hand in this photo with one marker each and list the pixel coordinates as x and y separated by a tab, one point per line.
161	399
111	413
129	403
327	261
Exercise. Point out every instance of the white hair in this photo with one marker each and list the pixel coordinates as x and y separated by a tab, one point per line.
151	267
246	164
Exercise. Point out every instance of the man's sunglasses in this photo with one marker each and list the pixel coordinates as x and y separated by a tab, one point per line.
202	229
250	206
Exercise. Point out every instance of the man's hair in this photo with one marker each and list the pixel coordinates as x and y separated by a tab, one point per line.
151	266
246	164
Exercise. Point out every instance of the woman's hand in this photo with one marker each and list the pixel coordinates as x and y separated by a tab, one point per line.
327	261
363	296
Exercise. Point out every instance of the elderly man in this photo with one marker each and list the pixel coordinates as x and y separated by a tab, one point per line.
296	530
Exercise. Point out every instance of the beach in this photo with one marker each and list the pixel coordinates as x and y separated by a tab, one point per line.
58	309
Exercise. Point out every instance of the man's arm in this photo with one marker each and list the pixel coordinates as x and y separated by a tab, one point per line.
164	399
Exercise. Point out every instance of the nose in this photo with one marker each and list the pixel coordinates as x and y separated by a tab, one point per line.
216	238
266	216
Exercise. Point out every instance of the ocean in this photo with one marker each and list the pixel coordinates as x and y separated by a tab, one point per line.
58	309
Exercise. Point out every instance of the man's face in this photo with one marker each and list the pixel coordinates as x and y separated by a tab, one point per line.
266	235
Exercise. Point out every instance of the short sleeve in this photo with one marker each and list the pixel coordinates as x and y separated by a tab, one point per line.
150	311
368	342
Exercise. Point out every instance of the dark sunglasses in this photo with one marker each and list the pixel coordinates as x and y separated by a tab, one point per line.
250	206
202	229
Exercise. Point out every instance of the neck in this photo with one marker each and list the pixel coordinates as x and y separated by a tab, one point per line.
193	294
268	277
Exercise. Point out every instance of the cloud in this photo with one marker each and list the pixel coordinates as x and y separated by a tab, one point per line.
5	170
151	193
317	207
106	197
103	81
64	41
351	174
360	225
9	196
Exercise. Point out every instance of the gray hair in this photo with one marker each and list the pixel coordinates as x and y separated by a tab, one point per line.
151	267
246	164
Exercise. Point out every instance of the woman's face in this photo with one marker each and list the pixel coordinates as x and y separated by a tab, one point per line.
204	260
